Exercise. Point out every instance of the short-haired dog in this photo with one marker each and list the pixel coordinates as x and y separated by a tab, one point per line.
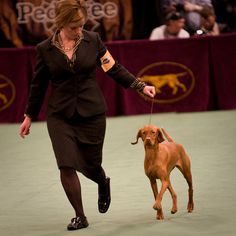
160	159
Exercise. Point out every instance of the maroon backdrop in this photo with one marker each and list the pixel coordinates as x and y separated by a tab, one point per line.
15	71
168	58
195	74
223	56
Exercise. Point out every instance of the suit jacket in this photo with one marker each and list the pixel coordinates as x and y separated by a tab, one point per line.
72	88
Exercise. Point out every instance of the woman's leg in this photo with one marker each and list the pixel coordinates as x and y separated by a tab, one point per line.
72	187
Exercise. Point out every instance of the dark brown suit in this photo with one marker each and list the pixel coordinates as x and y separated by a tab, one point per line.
76	107
73	89
76	88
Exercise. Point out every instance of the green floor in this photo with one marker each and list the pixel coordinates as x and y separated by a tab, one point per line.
32	201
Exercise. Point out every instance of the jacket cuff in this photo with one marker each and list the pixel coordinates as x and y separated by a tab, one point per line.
138	85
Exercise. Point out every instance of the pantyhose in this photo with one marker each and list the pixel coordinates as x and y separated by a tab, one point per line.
71	184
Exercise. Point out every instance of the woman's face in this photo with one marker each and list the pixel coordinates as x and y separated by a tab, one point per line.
209	22
74	29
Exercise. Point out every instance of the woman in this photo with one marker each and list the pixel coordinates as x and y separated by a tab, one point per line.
76	107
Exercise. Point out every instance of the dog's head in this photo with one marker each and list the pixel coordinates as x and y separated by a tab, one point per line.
150	134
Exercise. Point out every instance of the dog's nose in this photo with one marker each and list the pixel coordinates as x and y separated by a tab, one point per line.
148	140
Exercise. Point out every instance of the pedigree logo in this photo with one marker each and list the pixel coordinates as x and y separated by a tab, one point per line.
44	13
172	81
7	92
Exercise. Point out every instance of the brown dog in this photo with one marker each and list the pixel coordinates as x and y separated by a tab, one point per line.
160	160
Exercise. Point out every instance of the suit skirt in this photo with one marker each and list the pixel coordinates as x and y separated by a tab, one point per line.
78	142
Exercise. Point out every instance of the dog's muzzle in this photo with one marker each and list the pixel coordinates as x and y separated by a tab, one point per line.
148	141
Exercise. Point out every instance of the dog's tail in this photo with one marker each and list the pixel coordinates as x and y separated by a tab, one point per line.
167	135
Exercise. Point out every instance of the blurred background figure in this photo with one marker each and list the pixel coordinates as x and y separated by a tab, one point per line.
112	19
173	28
190	9
117	26
146	16
209	25
34	31
226	15
9	28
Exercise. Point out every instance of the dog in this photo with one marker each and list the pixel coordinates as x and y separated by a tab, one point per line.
160	159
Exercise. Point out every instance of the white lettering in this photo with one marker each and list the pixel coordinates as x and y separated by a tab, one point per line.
24	11
97	10
41	14
110	9
38	14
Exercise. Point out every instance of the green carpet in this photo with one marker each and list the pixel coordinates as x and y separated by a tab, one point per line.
33	203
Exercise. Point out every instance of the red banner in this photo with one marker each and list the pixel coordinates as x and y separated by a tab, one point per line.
178	69
15	72
223	56
195	74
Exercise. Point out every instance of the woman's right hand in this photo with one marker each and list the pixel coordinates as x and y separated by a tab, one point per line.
25	127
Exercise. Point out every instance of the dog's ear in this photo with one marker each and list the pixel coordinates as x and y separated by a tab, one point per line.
160	138
137	137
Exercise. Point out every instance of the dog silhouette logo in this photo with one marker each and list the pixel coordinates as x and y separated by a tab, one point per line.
7	92
172	81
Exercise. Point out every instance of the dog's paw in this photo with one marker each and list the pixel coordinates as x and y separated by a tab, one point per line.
160	215
173	210
190	207
157	206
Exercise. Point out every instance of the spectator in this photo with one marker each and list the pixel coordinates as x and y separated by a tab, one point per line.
209	25
173	28
226	15
9	29
191	10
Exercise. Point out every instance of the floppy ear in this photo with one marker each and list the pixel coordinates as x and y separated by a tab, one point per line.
160	138
137	137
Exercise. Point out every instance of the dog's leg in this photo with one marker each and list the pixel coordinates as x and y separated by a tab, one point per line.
174	198
184	167
157	206
153	183
188	177
160	215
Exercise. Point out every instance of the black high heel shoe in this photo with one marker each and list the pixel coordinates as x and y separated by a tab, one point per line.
104	197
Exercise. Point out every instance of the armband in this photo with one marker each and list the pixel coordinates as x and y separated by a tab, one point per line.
107	61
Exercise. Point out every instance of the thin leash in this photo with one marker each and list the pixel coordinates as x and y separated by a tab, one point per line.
150	117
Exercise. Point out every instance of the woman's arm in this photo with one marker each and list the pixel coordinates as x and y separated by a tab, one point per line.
38	87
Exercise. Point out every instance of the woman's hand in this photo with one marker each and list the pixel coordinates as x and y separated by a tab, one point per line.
149	91
25	127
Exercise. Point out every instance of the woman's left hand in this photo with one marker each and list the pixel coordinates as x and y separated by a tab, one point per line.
149	91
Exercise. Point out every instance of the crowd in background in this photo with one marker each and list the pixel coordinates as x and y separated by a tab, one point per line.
135	19
197	17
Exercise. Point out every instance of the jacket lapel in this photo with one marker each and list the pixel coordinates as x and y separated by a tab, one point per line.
81	52
58	57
